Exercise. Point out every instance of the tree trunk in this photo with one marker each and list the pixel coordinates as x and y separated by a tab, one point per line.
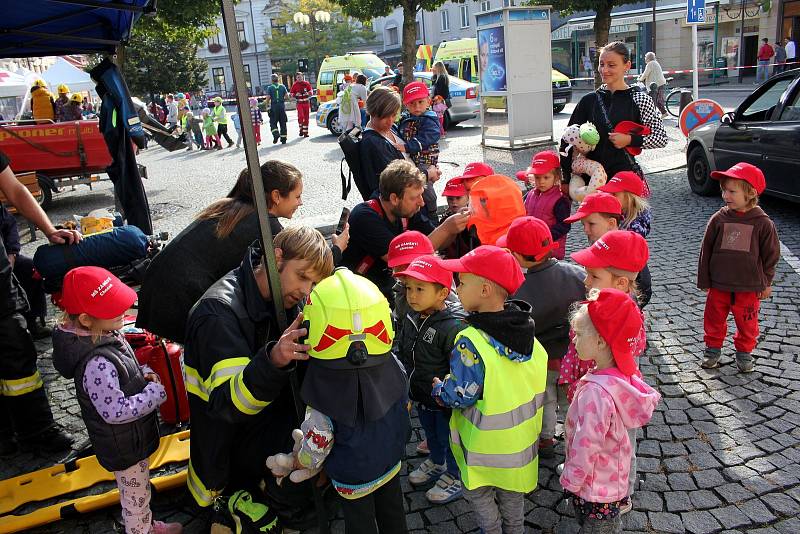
119	54
602	25
409	39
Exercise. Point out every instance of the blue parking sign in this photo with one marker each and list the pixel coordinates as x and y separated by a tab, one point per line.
695	11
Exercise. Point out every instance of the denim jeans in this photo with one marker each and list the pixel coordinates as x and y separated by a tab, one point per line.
762	71
436	424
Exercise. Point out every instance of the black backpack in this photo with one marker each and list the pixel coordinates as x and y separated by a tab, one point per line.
348	141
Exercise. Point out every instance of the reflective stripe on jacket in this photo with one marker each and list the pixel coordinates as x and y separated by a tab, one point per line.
496	441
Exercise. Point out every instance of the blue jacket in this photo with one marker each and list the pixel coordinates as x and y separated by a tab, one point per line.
420	132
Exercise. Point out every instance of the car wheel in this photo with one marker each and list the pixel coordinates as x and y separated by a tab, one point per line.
333	123
449	124
46	199
314	103
699	172
559	108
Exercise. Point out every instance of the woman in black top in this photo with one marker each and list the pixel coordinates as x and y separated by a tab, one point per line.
441	82
611	104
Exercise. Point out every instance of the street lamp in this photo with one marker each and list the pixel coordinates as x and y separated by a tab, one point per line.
320	17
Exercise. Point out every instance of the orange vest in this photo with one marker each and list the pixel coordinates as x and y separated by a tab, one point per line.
42	104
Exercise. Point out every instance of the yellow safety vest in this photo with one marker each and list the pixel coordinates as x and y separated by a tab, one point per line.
496	441
219	114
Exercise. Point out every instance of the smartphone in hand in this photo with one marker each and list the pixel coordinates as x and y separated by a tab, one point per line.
342	220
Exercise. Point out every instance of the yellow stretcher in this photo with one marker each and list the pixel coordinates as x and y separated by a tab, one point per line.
63	479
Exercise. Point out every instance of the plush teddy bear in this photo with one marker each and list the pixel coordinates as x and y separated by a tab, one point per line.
291	465
582	139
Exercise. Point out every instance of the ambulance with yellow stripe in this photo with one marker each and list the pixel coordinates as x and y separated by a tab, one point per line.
333	69
460	57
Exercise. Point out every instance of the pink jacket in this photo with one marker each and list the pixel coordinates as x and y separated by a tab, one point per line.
606	405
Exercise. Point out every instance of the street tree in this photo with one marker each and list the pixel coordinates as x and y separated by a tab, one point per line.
290	41
365	10
602	19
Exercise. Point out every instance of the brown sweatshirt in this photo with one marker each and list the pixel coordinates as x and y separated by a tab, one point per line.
739	251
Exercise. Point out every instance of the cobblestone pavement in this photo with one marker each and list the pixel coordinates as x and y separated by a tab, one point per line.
721	453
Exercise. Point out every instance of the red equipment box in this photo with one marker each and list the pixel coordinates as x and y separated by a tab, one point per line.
57	149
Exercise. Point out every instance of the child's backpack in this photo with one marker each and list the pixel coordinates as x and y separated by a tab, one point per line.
346	102
348	142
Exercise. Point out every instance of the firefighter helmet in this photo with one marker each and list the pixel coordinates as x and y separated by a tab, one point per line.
40	83
63	89
76	97
347	317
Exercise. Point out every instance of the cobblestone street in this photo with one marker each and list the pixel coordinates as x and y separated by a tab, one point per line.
721	453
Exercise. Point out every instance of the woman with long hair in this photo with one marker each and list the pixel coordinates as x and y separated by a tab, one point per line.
214	244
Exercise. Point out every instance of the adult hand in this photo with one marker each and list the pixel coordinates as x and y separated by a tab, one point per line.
152	377
767	293
60	237
619	140
433	173
287	349
456	223
342	239
12	259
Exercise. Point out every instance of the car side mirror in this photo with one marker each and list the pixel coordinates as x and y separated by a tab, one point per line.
728	117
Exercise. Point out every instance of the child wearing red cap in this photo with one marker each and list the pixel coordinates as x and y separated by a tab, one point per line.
599	213
427	337
610	402
628	188
545	200
737	264
473	172
495	387
457	195
551	287
117	396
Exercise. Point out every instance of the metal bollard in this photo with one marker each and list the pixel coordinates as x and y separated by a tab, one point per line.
686	97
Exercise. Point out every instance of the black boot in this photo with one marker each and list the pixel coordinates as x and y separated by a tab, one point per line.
54	439
39	329
8	447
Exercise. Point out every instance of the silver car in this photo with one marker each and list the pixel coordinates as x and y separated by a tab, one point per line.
463	96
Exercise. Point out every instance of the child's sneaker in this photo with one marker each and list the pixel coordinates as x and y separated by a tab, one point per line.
422	448
559	469
547	448
744	360
159	527
426	472
445	490
625	505
251	515
712	357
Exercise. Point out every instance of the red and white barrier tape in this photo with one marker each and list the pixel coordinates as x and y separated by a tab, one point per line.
703	69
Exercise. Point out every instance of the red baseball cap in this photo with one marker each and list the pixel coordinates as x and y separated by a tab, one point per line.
617	319
630	127
744	171
528	236
407	247
624	181
620	249
95	292
596	203
415	91
429	268
454	188
491	262
475	170
541	163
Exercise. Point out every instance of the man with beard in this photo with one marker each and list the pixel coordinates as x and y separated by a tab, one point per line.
374	223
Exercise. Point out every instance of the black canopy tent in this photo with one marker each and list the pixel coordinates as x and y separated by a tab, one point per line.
60	27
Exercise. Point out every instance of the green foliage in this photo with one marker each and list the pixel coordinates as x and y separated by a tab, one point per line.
163	63
336	37
192	20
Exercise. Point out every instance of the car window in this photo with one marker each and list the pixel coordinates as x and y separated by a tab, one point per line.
326	78
761	107
426	81
791	112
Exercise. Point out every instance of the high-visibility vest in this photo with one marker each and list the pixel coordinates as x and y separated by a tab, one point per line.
219	114
496	441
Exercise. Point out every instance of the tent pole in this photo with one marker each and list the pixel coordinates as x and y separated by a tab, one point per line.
260	197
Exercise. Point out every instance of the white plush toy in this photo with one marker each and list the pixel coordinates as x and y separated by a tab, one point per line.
582	139
282	465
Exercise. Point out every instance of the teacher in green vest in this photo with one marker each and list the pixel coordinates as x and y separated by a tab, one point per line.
276	95
221	119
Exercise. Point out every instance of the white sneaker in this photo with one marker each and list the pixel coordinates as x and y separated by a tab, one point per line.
426	472
445	490
559	469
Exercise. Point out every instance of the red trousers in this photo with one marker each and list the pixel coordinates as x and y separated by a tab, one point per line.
257	132
303	112
744	305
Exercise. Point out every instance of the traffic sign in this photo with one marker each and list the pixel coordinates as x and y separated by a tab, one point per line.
695	11
698	113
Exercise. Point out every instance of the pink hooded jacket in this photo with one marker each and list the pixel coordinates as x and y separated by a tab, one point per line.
606	405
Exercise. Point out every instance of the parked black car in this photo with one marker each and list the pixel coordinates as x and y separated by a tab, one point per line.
764	131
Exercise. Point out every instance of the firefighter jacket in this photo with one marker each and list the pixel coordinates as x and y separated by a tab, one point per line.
241	405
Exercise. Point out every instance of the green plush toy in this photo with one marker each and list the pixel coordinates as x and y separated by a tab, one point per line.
589	134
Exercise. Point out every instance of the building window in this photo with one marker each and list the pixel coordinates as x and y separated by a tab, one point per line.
486	5
445	17
280	28
391	36
240	31
213	39
464	16
247	80
218	76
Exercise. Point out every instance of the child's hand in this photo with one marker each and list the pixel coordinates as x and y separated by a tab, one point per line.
435	382
152	377
767	293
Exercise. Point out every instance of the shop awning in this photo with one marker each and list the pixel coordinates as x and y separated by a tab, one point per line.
58	27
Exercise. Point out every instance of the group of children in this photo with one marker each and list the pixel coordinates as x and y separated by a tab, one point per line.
493	356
